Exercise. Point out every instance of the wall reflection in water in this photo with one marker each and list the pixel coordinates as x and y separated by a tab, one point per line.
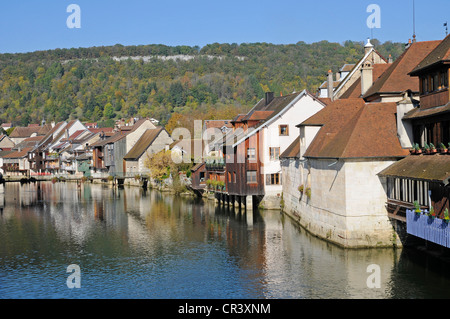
135	243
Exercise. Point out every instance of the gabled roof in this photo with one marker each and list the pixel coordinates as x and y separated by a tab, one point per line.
23	132
354	91
355	68
347	67
266	112
325	84
63	131
293	150
396	79
188	143
352	128
279	106
143	143
53	130
218	124
112	139
19	154
440	54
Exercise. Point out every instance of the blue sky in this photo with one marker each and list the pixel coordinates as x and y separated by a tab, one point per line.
30	25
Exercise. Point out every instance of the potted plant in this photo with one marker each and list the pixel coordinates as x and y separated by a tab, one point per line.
308	193
417	208
426	148
433	149
418	149
446	215
432	214
301	188
443	148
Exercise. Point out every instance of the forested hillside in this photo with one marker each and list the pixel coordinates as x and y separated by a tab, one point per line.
216	81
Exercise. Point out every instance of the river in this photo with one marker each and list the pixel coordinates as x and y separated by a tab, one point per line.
135	243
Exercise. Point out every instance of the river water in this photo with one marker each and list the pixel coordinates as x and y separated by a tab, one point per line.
133	243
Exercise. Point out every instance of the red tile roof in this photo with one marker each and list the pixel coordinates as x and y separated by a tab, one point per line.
355	129
354	91
292	150
19	154
396	78
440	54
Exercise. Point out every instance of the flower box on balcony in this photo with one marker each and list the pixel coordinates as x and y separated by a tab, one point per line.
423	226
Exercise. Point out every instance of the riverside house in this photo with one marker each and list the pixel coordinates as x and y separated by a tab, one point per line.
151	142
333	187
251	165
108	154
423	176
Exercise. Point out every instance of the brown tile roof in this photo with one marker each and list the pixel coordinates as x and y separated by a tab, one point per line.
33	139
197	166
325	84
440	54
238	118
417	113
396	79
293	150
186	143
218	124
63	131
21	132
354	129
44	129
19	154
347	67
325	100
354	91
112	139
51	131
275	106
143	143
421	167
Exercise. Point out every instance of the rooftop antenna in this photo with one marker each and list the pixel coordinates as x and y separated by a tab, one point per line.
414	22
446	28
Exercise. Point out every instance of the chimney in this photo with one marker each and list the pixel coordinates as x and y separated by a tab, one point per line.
366	76
330	84
338	76
368	47
390	59
408	44
269	97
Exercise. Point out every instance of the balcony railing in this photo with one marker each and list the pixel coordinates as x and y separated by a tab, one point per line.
433	229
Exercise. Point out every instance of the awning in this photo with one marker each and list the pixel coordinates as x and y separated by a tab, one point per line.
435	168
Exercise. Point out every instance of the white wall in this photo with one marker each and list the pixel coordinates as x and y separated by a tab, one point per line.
347	204
304	108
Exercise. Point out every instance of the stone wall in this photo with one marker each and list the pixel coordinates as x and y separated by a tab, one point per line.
347	202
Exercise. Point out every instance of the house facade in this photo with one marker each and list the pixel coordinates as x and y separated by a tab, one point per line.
423	176
151	142
252	152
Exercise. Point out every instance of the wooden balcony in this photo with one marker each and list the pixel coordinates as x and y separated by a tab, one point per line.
435	230
434	99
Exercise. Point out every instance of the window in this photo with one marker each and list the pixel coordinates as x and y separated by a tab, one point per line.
251	177
424	85
274	153
273	179
435	81
251	154
234	177
444	79
283	130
